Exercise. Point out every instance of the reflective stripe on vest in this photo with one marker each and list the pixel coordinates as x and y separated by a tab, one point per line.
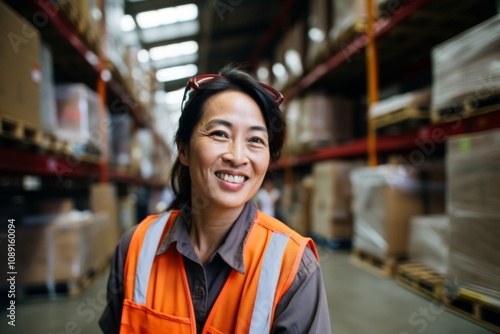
147	256
269	275
268	280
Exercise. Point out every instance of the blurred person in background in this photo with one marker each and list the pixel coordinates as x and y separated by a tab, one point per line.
268	196
214	263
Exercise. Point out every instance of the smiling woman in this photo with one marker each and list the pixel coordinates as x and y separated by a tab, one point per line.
214	263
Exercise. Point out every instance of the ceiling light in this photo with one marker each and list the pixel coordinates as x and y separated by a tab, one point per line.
279	72
170	15
127	23
173	50
316	35
176	72
262	73
174	97
143	56
293	62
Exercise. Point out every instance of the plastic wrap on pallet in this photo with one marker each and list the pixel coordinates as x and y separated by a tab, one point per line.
416	99
466	67
78	113
384	200
55	248
473	197
429	241
348	14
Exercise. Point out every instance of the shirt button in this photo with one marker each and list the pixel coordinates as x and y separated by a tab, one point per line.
199	291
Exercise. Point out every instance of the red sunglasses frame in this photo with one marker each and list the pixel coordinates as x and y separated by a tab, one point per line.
194	84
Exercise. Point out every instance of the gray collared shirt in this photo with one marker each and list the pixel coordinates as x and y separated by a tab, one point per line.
303	308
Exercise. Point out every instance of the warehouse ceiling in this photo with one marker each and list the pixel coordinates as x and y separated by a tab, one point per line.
207	34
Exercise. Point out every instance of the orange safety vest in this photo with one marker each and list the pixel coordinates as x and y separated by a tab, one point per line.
157	298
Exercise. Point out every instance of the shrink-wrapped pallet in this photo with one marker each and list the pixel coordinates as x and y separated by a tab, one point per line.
429	241
473	197
466	70
348	16
385	198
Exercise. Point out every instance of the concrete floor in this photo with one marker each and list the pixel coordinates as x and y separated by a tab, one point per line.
360	303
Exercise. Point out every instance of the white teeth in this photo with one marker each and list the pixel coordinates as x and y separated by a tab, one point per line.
230	178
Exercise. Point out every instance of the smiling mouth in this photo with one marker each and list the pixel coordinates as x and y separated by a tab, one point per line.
231	178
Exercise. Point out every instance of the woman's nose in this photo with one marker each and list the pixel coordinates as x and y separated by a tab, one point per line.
236	153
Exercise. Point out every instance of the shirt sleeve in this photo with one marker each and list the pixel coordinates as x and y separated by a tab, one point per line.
111	317
304	307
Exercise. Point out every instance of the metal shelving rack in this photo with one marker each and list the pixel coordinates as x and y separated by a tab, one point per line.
85	62
407	37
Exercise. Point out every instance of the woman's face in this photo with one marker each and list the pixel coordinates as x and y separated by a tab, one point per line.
228	155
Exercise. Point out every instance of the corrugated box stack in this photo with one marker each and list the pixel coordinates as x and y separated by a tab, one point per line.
19	84
324	120
384	200
473	197
331	215
429	242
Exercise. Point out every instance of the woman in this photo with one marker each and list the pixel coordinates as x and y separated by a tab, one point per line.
214	263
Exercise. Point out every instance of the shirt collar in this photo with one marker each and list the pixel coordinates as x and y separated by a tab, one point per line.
231	250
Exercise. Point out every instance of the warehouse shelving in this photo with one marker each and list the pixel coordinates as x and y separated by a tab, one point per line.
76	61
404	41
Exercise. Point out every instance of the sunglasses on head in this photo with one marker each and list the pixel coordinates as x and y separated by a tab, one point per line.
194	84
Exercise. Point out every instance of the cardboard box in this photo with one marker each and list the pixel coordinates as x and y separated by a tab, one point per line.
473	197
104	199
474	253
48	108
429	242
331	214
325	121
473	170
19	68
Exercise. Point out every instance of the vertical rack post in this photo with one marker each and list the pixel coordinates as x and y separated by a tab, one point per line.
101	92
372	81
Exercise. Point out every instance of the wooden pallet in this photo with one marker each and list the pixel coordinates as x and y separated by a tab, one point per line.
19	130
384	268
475	307
397	117
420	279
466	108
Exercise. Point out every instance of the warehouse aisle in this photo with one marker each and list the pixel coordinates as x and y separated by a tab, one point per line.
360	303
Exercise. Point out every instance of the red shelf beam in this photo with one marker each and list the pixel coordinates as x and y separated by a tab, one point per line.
424	139
22	162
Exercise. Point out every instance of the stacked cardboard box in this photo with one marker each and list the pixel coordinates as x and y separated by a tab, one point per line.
294	48
385	199
20	69
473	197
331	215
299	213
429	241
324	120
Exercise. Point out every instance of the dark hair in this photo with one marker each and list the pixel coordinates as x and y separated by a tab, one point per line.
234	79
